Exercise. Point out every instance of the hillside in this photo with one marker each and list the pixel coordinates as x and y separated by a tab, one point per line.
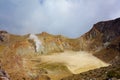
104	41
46	56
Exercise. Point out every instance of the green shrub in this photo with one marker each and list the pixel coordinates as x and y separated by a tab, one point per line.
112	74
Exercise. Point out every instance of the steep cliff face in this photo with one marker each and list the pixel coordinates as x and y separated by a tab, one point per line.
109	29
102	34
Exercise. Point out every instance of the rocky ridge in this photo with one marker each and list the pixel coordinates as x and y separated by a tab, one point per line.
103	41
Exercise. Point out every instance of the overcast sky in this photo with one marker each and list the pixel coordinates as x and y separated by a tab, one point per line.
70	18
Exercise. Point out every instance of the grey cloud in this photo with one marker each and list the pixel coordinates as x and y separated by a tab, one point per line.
71	18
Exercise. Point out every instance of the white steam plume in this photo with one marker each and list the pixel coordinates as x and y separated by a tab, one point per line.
36	41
